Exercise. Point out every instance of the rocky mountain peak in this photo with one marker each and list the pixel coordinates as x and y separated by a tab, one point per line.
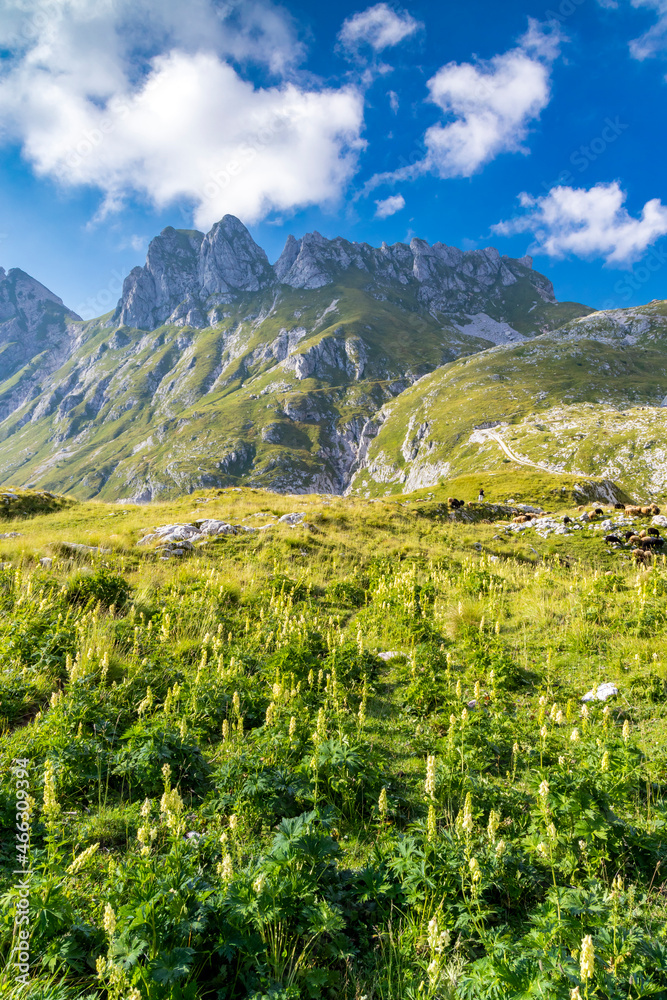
33	321
188	273
230	261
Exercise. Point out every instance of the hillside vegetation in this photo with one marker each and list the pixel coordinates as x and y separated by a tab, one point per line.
585	400
342	755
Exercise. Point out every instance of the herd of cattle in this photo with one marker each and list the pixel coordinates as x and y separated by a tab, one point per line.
642	544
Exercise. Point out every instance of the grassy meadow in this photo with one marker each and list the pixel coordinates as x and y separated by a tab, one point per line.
222	791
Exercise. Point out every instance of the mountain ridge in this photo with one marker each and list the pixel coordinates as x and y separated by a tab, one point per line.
311	373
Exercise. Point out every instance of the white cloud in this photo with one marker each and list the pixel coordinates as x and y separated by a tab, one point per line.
389	206
149	98
378	26
491	105
588	223
393	100
653	41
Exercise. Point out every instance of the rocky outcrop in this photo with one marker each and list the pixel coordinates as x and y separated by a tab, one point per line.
187	274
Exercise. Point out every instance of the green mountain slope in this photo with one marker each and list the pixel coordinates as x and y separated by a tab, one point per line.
279	387
589	399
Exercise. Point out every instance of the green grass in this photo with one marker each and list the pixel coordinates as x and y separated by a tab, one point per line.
322	864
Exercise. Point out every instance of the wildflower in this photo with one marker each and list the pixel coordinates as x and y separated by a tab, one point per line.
575	994
585	715
437	939
501	847
561	762
226	869
458	689
109	921
233	822
551	831
543	732
559	720
478	692
259	883
543	791
382	803
604	763
542	849
574	736
429	785
166	776
225	729
82	858
553	712
236	703
269	715
292	727
239	726
183	728
51	806
464	716
467	822
431	825
515	750
625	732
587	966
492	828
146	808
475	872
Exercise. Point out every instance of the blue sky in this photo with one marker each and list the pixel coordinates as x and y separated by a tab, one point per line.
526	126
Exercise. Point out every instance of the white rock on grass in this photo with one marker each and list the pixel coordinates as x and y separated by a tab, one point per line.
208	528
291	519
601	693
659	521
390	655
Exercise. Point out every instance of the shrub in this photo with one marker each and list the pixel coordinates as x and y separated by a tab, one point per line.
101	586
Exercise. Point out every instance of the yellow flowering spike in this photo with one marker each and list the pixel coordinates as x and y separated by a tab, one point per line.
587	962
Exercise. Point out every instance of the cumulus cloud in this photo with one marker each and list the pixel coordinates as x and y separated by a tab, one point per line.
378	26
389	206
151	98
588	223
490	106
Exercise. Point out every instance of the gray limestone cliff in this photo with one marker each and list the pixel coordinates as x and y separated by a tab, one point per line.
187	274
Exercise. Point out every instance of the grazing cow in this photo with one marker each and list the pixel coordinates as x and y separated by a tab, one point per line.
567	520
652	543
619	506
634	540
655	509
633	511
628	535
613	538
598	510
653	531
640	556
